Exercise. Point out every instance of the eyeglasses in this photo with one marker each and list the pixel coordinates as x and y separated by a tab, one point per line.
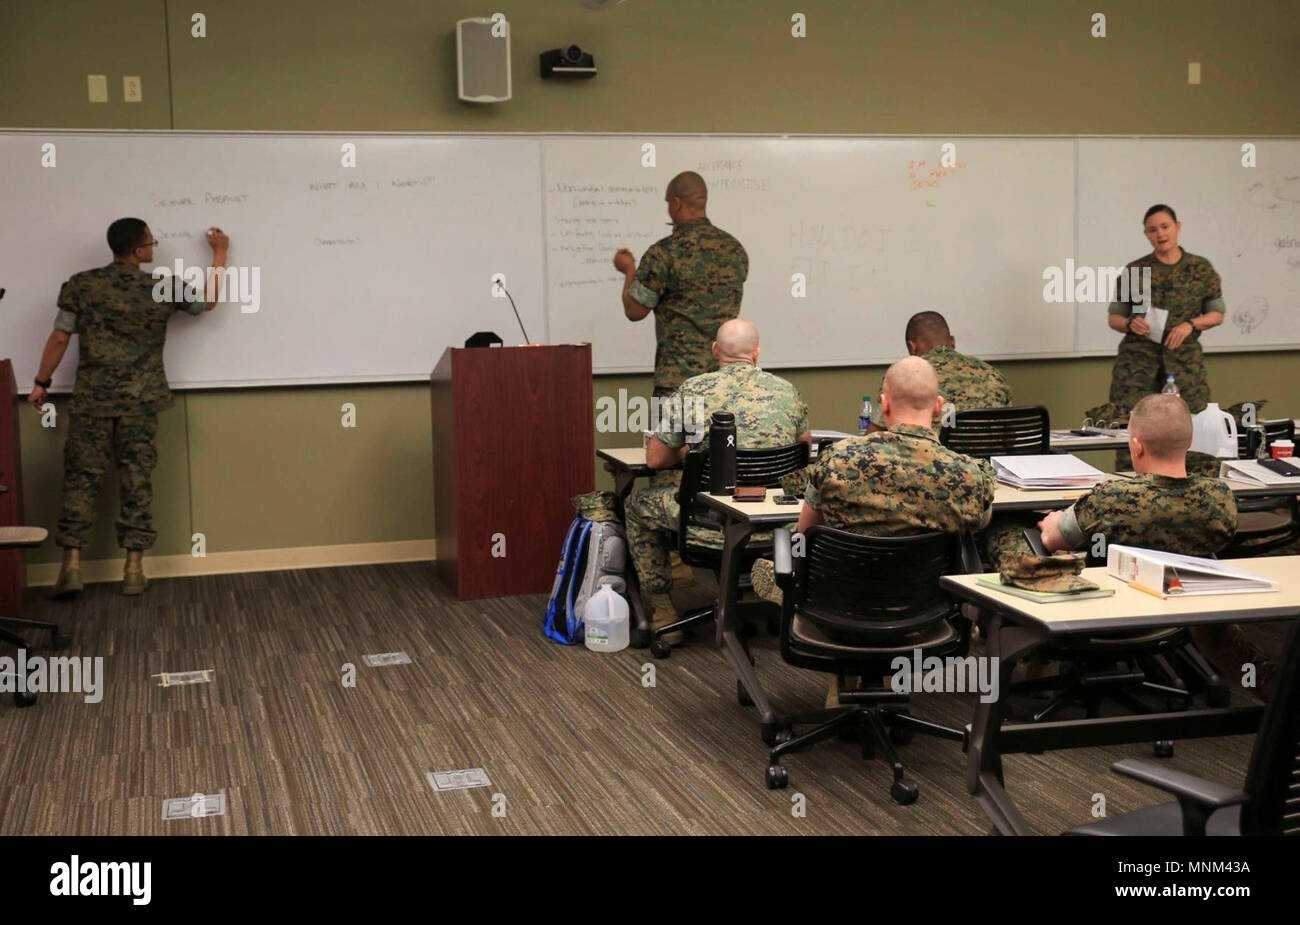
153	243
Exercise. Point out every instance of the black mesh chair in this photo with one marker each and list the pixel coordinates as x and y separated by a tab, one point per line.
1269	523
1266	805
764	467
1020	430
851	604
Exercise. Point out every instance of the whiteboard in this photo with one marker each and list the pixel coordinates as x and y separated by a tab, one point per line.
366	273
1244	220
876	226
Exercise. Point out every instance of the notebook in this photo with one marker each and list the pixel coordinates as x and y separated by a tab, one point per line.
1044	597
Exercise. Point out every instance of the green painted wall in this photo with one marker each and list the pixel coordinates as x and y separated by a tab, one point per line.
266	468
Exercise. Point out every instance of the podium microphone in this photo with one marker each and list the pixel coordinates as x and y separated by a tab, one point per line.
502	287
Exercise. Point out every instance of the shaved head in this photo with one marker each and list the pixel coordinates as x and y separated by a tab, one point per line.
927	330
1164	425
737	340
689	187
912	385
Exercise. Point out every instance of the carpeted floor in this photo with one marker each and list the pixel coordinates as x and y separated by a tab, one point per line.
572	739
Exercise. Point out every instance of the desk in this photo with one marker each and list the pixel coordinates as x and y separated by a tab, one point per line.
739	522
1068	442
1015	627
627	464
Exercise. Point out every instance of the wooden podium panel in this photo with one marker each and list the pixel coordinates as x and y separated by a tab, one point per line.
13	574
513	441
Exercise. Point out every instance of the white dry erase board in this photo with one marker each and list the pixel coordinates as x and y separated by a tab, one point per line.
367	273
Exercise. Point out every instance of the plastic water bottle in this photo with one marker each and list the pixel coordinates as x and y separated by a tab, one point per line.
1171	387
606	621
864	416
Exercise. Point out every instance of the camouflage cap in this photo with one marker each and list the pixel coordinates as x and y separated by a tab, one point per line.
1059	573
599	506
1111	414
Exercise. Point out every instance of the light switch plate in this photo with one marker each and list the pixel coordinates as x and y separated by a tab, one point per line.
131	91
97	86
1193	72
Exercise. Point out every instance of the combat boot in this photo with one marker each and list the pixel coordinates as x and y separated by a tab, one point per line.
683	574
133	580
69	584
664	613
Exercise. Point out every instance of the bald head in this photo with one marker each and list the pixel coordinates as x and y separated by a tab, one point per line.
911	391
737	340
1164	425
925	331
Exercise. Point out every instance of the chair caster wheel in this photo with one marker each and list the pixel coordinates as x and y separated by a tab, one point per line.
24	698
1217	696
772	734
640	639
1163	749
777	777
660	649
742	696
904	792
782	736
1176	704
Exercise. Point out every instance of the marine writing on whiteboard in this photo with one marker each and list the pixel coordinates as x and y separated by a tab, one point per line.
923	176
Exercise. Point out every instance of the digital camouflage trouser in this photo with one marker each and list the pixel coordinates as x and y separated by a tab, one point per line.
93	443
1141	367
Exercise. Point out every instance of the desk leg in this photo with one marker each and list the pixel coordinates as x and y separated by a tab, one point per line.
736	535
983	761
641	634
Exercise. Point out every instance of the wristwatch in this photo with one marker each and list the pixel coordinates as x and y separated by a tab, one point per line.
45	384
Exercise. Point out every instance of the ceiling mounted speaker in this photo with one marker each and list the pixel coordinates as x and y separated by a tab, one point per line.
483	60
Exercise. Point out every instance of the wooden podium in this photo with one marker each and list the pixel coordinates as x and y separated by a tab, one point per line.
13	575
513	441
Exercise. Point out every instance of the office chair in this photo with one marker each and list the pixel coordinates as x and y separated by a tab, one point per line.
1266	805
25	538
851	605
753	467
1269	523
1020	430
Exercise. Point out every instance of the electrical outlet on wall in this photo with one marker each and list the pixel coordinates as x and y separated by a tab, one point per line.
131	89
97	88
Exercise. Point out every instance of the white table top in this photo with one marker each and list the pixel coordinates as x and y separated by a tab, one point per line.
1134	609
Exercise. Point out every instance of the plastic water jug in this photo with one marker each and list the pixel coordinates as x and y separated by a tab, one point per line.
606	621
1214	432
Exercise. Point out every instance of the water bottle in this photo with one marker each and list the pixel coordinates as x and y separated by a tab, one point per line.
606	621
864	416
1171	387
722	453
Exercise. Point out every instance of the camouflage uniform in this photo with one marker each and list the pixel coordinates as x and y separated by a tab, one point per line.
693	281
769	412
1193	516
1185	289
894	483
964	381
121	386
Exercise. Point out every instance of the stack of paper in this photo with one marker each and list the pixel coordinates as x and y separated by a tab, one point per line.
1042	472
1168	574
1249	470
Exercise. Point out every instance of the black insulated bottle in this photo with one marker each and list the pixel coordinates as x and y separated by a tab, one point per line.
722	453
